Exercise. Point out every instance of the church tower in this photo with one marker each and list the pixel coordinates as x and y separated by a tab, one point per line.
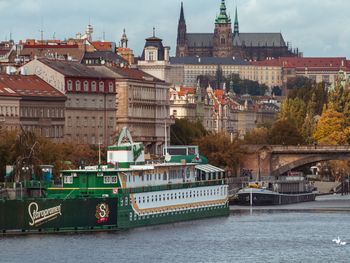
223	39
236	25
181	47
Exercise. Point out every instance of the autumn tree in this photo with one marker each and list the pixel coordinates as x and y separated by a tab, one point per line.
332	128
284	131
258	135
221	151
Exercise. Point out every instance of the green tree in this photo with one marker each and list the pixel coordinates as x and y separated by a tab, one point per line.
184	132
294	110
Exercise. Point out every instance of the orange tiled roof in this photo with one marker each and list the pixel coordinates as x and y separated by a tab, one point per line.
187	89
102	46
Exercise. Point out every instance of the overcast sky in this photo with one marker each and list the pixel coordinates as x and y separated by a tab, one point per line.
316	27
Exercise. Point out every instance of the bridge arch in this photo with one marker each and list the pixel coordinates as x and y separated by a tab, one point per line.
308	160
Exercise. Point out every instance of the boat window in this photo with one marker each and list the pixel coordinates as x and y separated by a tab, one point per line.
190	194
164	176
183	195
186	194
139	200
156	198
172	196
152	198
143	199
167	196
147	199
126	200
159	176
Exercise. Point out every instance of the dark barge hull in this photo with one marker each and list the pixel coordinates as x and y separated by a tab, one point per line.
44	215
274	198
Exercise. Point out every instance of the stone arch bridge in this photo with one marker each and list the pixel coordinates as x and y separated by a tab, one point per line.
273	160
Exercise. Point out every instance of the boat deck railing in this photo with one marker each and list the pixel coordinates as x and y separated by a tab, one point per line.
172	186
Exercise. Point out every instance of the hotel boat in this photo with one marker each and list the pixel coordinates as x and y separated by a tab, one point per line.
126	193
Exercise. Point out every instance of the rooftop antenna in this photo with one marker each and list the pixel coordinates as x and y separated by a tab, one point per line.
103	36
154	31
42	31
54	36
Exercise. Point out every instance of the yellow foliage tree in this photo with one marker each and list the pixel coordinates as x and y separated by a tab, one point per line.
332	128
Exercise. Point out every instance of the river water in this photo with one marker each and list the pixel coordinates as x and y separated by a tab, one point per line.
258	237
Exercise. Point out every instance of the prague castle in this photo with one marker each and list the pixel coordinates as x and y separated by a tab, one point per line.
227	43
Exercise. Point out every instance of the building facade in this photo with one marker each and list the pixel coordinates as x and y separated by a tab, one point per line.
90	106
319	69
225	42
30	103
142	106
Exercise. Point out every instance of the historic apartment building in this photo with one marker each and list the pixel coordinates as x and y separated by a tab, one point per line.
142	106
221	111
30	103
225	42
90	106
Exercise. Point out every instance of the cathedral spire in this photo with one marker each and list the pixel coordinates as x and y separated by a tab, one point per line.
236	26
182	16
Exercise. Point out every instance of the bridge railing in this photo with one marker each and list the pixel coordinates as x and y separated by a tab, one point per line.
310	148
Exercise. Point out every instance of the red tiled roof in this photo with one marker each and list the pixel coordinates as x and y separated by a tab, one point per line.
187	90
219	93
306	62
102	46
29	85
50	46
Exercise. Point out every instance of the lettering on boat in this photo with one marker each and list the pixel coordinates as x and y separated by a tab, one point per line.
39	217
102	213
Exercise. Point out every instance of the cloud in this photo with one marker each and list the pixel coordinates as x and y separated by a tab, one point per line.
318	28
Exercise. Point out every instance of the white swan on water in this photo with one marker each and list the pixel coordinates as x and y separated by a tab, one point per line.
339	242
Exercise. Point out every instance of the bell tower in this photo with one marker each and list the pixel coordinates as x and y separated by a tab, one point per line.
223	39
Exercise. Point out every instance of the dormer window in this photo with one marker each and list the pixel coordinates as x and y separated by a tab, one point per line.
93	86
151	56
111	87
77	85
101	86
86	85
69	85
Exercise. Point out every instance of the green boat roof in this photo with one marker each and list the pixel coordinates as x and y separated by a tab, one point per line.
189	159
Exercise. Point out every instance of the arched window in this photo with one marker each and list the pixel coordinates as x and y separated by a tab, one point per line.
77	85
69	85
93	86
222	41
86	85
101	86
111	87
